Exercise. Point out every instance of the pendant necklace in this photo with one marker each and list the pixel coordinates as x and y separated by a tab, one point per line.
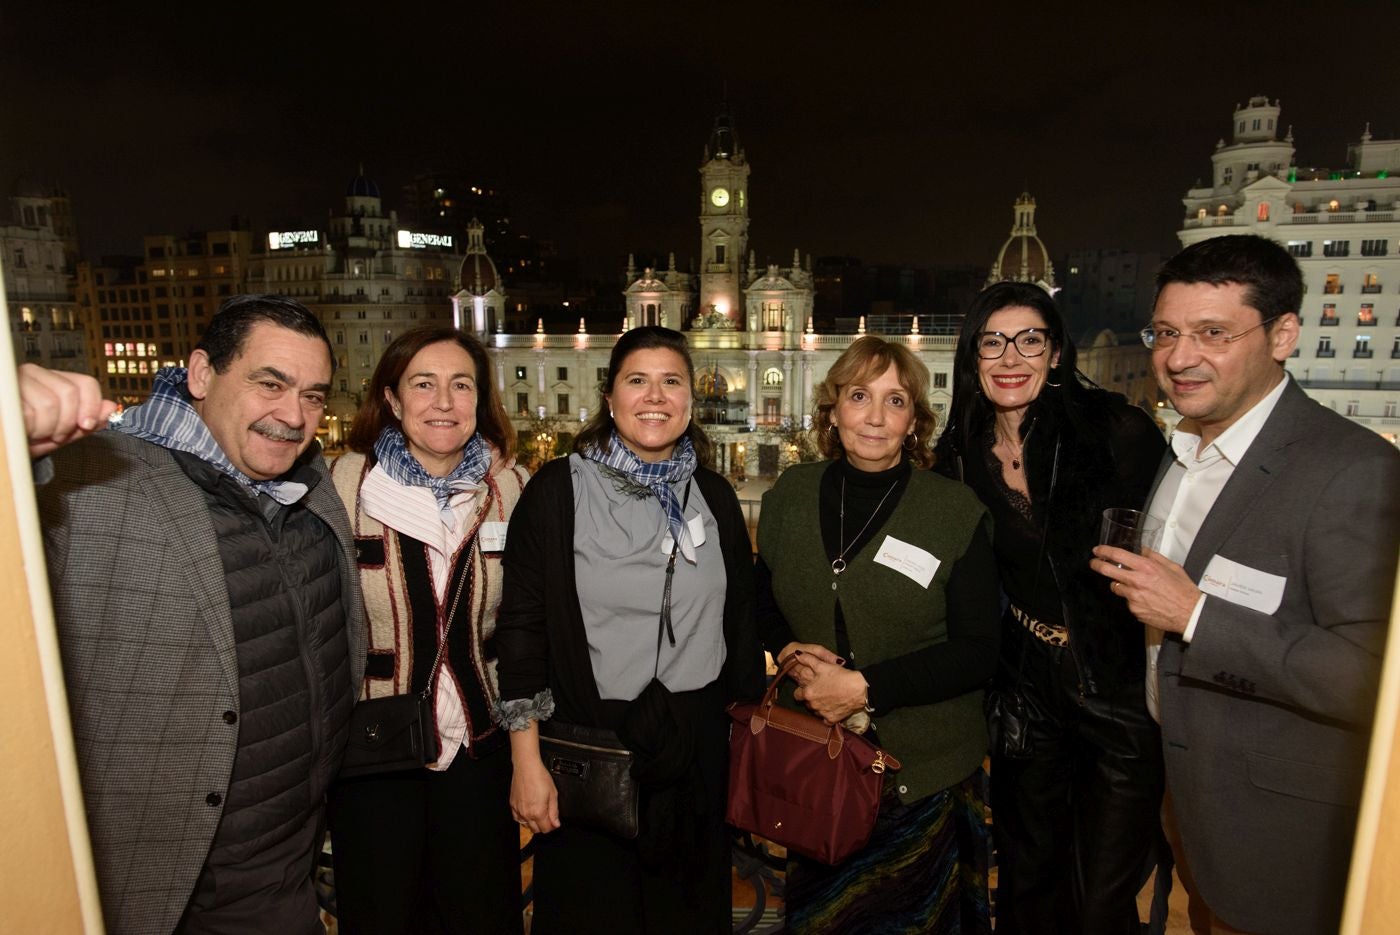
1016	458
839	565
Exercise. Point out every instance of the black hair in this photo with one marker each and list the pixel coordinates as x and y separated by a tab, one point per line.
598	432
228	329
1064	390
1271	277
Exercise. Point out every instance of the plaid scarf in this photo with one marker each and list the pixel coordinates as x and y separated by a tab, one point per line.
167	419
655	477
399	463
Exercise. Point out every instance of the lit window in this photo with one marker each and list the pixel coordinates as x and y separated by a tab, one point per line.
1263	211
772	377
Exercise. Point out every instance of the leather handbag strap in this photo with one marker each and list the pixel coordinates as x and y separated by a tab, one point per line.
451	615
809	726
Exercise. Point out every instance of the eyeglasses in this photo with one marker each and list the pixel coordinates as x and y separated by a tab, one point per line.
1211	339
1030	342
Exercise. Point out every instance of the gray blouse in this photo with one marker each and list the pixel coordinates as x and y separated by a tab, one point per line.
620	568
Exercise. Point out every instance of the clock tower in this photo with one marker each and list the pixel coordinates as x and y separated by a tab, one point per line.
724	228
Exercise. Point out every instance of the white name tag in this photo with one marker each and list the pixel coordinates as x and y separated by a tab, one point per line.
1240	584
492	537
908	560
696	525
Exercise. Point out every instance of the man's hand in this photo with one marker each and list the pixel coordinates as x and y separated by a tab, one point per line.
59	407
1157	590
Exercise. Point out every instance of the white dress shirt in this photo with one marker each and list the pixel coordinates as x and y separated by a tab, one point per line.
1184	500
414	512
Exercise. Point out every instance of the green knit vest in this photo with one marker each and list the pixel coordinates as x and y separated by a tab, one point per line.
887	613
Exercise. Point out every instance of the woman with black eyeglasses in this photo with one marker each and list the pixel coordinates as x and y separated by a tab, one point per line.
1075	804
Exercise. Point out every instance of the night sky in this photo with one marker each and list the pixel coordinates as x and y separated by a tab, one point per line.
900	133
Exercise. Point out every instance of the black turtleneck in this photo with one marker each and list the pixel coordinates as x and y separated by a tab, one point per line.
934	673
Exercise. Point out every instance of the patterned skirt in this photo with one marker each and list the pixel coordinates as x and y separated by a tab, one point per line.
924	870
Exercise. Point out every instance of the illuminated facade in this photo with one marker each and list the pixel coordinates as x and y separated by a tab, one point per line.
367	278
151	312
757	355
1343	227
1023	257
480	302
45	327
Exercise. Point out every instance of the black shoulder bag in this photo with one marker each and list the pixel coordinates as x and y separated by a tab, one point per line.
399	732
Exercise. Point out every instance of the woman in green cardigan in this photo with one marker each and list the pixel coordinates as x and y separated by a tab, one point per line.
883	578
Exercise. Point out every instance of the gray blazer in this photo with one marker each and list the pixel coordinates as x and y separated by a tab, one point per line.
148	654
1266	717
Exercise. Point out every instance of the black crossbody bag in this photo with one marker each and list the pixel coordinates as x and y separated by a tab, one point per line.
399	732
590	766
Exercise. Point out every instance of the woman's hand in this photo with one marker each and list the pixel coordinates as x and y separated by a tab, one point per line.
801	673
533	799
833	693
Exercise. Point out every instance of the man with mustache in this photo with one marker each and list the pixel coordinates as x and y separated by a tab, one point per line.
205	591
1267	605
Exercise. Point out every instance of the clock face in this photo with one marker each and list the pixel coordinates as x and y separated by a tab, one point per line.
719	197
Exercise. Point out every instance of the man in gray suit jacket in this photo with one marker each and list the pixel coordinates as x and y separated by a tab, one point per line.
209	615
1269	599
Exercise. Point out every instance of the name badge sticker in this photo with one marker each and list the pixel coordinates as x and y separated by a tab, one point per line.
909	560
492	537
696	525
1240	584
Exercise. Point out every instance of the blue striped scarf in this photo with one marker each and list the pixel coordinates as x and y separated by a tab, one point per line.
656	476
391	448
167	419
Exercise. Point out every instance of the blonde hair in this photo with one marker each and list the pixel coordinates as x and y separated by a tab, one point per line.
866	359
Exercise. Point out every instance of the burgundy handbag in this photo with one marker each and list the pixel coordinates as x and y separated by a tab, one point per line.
797	782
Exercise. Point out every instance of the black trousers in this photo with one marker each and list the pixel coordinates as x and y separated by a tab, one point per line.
428	852
1076	824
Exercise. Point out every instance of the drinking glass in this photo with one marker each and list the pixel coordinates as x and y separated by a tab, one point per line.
1132	530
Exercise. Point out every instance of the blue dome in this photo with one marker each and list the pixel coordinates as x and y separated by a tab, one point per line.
361	186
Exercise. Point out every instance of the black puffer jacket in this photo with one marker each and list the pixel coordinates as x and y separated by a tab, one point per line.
281	568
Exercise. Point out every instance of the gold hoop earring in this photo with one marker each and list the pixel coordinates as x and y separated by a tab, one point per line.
915	438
